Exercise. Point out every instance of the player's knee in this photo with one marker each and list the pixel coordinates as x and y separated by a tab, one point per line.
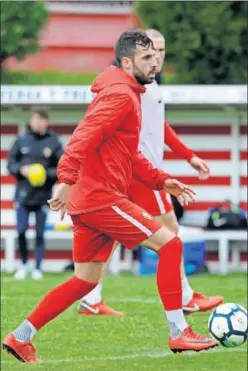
170	221
175	227
89	272
85	277
159	239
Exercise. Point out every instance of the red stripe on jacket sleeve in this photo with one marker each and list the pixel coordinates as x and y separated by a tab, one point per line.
175	143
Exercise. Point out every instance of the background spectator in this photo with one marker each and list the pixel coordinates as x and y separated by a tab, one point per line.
42	146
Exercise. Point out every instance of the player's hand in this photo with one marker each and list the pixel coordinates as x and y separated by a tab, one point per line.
181	191
201	166
24	170
58	201
62	213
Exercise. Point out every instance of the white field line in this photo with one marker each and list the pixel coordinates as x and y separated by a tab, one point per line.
152	355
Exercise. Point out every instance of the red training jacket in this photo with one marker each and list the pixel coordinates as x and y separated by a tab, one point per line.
101	156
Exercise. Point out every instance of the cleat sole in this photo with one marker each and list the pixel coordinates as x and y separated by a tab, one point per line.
192	350
12	352
176	351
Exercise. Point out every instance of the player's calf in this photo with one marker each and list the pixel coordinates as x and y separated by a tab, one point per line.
169	249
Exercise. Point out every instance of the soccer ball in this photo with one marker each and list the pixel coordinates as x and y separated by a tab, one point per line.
228	324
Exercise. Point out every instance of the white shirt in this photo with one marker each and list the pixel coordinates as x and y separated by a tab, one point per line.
151	142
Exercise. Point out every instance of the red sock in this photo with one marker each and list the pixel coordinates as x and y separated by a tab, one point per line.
169	275
58	300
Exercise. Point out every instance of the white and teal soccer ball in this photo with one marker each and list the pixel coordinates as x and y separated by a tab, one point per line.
228	324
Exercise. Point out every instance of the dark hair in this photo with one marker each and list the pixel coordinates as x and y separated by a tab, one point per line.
41	111
127	42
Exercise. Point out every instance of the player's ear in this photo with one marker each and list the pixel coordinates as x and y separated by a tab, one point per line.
126	63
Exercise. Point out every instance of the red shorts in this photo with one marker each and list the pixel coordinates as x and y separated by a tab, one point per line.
155	202
96	231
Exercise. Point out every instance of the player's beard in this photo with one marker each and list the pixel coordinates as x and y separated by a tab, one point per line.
140	78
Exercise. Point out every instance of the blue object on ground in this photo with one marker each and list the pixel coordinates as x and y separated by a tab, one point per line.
193	252
49	227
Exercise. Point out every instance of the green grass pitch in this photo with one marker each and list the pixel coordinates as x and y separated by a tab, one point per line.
137	342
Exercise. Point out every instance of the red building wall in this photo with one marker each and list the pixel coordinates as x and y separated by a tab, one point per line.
76	43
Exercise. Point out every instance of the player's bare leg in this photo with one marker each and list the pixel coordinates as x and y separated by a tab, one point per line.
192	301
92	303
18	343
169	249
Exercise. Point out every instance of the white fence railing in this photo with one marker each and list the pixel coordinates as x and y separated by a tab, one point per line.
174	94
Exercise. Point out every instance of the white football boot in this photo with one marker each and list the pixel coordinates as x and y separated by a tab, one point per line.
37	275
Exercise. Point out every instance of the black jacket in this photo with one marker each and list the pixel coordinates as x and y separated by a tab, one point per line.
34	148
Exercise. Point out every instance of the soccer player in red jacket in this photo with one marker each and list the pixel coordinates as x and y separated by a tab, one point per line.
94	175
154	132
